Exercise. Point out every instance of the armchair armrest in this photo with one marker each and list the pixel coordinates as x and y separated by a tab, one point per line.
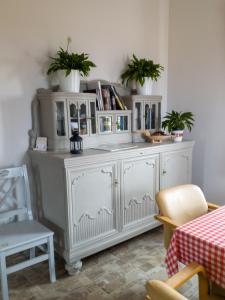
166	221
212	205
185	274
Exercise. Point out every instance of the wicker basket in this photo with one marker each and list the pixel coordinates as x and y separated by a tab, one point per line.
155	139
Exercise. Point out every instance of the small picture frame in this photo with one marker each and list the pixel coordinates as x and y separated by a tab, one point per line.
41	144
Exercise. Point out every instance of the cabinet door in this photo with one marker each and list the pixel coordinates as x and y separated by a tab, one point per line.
148	116
152	115
105	123
92	117
175	168
122	122
83	117
60	117
73	116
140	183
93	202
138	115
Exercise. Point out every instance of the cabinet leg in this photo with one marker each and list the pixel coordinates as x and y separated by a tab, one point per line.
73	268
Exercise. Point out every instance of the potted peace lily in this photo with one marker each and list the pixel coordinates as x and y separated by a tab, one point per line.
176	122
69	67
144	72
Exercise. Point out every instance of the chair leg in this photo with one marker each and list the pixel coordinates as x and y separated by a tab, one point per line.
4	282
51	259
32	253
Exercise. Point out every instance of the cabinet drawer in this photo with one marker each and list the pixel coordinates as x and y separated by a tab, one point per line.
93	202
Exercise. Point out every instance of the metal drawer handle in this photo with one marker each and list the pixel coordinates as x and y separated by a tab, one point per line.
164	172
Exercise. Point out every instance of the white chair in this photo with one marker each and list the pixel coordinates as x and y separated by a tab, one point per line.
18	230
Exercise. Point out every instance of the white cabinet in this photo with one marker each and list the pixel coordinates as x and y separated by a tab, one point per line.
98	199
146	112
176	168
139	183
63	113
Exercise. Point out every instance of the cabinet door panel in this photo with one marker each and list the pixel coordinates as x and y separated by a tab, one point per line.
73	120
93	200
140	184
138	115
175	168
83	115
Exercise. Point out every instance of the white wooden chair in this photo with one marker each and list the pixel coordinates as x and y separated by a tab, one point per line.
18	230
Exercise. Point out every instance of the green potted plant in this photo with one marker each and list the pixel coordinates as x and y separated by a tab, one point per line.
176	122
144	72
70	66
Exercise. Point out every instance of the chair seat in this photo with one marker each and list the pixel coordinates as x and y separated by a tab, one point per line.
20	233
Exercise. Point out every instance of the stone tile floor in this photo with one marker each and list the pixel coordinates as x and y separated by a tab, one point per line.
117	273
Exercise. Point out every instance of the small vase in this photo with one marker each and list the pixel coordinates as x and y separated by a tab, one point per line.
177	135
70	83
146	89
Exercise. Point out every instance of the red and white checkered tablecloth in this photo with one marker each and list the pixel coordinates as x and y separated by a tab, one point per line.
203	241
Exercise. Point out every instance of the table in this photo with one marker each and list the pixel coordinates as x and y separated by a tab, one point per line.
203	241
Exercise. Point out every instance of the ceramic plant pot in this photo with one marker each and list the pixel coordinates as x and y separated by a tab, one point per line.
177	135
146	89
70	83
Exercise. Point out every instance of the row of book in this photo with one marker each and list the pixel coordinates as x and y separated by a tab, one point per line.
107	97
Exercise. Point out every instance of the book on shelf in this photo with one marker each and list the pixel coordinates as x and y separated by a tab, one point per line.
107	97
99	88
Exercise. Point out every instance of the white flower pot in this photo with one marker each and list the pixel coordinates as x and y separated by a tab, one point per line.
177	135
146	89
70	83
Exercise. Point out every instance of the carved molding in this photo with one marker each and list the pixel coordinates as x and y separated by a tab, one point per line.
77	178
151	164
186	156
134	201
90	217
125	170
103	171
107	172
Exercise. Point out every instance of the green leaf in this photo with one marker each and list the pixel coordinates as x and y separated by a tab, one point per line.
70	61
138	69
178	120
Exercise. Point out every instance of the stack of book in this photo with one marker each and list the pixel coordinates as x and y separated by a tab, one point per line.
107	97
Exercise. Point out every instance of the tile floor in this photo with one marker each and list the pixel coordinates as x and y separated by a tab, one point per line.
117	273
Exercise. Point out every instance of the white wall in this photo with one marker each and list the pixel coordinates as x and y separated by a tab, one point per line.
30	31
196	83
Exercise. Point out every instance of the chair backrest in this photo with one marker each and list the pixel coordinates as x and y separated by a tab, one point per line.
181	204
158	290
15	203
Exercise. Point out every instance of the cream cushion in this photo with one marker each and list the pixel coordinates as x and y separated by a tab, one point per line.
159	290
181	204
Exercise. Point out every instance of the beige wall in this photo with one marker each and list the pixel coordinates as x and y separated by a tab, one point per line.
196	82
31	30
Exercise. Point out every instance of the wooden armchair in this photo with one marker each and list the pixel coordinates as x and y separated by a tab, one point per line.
159	290
179	205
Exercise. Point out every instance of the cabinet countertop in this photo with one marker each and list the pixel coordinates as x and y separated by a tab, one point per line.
140	148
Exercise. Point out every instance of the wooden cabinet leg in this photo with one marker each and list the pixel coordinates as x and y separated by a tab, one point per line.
73	268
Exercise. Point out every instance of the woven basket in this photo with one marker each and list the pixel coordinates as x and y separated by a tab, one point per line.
157	138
